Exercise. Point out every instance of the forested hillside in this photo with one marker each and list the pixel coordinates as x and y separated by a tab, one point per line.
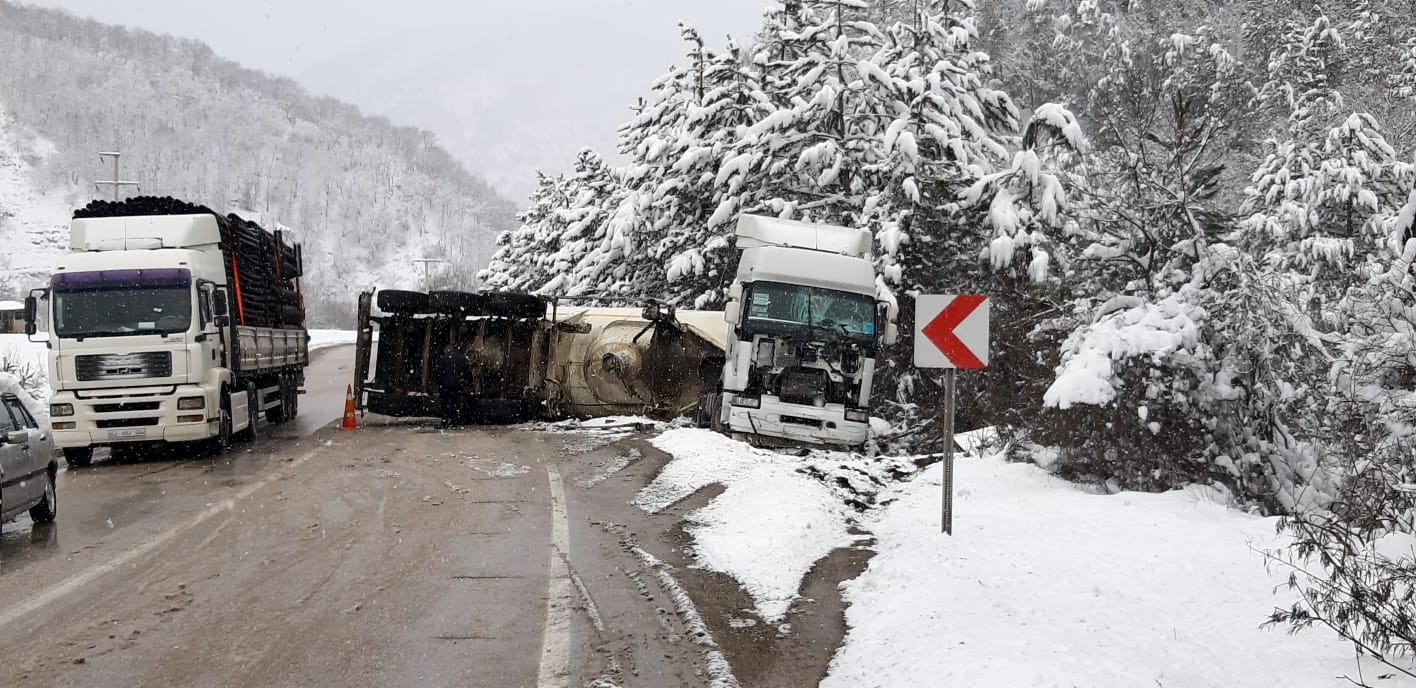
1194	218
365	196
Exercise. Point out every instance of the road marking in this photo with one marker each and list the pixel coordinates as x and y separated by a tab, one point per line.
555	644
59	590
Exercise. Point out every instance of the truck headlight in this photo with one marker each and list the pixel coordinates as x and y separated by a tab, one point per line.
858	415
191	403
61	409
747	401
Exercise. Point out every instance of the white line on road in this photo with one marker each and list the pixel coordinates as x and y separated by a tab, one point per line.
80	580
555	644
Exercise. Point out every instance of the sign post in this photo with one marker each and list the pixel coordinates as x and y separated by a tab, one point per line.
951	332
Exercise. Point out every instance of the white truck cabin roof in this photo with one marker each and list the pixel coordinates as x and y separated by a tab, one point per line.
754	231
813	269
143	232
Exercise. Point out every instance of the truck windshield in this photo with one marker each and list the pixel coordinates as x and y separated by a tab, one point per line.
843	313
112	303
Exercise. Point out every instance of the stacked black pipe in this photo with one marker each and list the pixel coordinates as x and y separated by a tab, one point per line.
264	265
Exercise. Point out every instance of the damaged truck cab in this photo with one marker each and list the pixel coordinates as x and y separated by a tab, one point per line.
805	332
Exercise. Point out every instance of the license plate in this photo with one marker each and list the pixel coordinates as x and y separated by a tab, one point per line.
127	434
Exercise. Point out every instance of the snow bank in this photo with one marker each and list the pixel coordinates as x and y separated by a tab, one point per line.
1044	585
325	339
767	529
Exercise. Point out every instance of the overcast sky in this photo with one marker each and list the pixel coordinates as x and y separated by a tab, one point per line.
509	87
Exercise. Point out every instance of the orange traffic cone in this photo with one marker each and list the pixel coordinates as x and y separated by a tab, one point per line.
350	422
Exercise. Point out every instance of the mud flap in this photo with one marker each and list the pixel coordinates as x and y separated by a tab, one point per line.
363	347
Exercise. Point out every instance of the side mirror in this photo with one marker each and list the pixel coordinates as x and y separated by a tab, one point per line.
892	333
221	320
220	305
731	311
31	315
14	437
735	292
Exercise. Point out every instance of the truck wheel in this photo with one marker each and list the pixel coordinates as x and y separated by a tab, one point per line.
219	445
516	306
454	302
399	301
276	414
249	434
78	457
48	508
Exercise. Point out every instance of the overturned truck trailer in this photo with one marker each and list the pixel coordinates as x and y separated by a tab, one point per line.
512	357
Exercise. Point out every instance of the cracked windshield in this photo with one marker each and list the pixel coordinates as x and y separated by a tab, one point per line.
707	344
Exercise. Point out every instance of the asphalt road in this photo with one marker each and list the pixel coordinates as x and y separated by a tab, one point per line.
395	555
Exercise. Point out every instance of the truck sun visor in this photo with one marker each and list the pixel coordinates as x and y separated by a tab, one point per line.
112	280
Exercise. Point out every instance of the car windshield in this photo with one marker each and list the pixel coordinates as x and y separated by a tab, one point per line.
122	302
852	315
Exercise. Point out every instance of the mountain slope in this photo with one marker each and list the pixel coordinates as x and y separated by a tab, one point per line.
366	197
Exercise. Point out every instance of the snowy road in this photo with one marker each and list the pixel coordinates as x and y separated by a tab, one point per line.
396	555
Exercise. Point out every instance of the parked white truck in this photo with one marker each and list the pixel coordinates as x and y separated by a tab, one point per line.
805	332
169	323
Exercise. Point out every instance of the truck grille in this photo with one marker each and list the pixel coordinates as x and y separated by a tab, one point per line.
802	385
94	367
128	407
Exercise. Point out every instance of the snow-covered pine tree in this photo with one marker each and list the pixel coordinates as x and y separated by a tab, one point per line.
1351	572
935	127
694	237
1136	389
586	243
515	266
1025	204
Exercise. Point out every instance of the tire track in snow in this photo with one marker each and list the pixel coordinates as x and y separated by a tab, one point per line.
720	673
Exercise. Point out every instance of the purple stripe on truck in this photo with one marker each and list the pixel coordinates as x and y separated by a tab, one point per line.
109	280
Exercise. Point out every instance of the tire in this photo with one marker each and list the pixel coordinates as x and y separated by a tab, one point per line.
456	302
220	444
78	457
277	415
48	507
515	306
398	301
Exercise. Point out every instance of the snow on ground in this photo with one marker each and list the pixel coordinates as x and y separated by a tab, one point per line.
1043	584
769	526
325	339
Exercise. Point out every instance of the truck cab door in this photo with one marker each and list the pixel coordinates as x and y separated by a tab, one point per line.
213	342
363	347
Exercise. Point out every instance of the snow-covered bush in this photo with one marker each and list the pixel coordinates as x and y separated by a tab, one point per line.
16	373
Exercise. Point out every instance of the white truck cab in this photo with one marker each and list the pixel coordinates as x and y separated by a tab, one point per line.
142	347
805	331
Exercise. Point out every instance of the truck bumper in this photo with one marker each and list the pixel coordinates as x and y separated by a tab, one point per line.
117	419
820	425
